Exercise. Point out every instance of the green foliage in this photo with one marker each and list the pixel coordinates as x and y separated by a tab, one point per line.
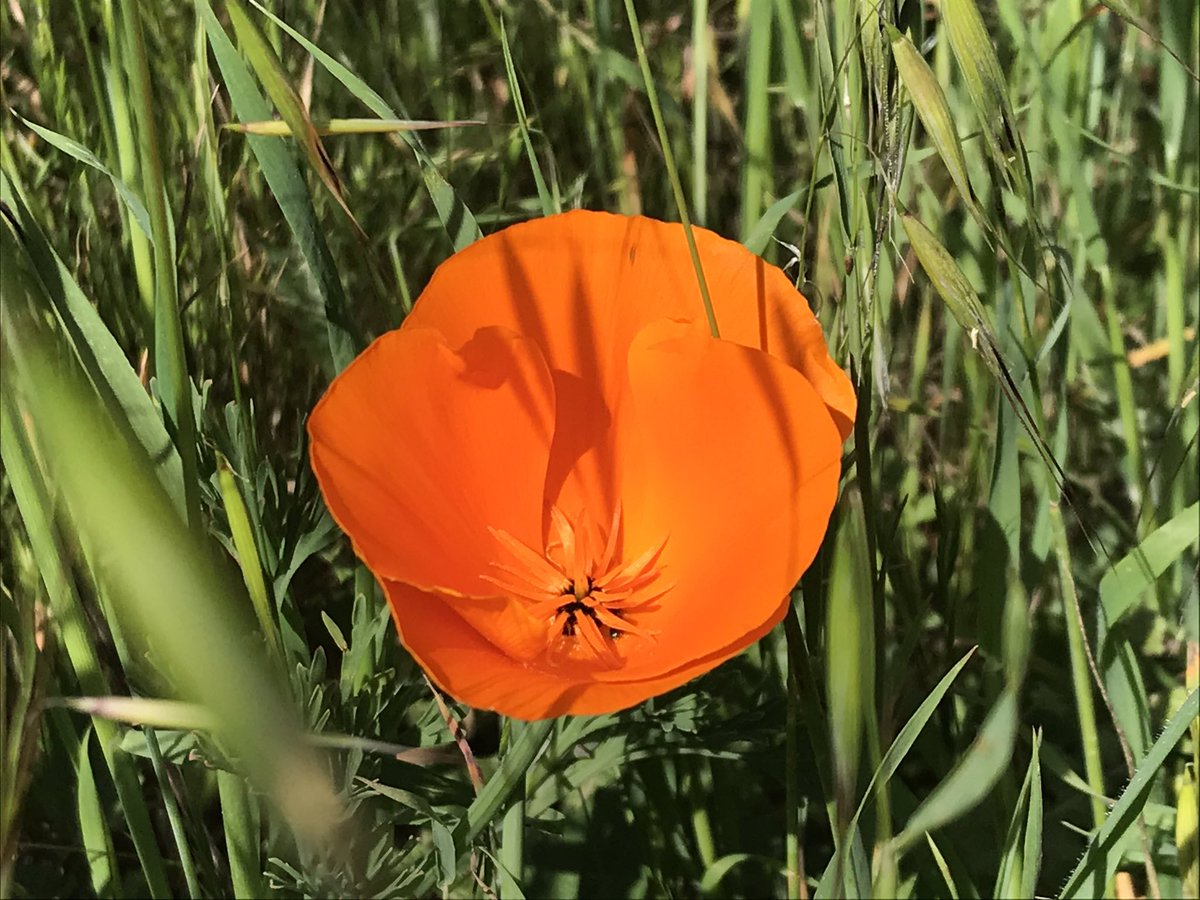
983	685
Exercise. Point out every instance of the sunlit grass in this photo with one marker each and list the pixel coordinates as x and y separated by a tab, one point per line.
995	211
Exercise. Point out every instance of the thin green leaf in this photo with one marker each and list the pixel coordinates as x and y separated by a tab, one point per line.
550	203
988	90
756	241
850	658
77	151
1124	584
1031	857
286	183
271	74
243	541
1012	861
942	867
455	215
972	776
1100	860
93	827
109	374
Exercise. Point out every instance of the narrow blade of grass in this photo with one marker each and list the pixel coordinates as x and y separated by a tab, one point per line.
1124	584
271	75
972	776
976	57
276	128
550	203
109	374
1099	862
286	183
77	151
455	215
760	235
849	636
170	359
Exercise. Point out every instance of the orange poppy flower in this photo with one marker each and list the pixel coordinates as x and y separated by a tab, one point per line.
574	497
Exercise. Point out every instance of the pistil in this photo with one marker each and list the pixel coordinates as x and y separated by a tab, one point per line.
584	600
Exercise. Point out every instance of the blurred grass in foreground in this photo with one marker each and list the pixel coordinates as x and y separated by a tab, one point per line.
991	206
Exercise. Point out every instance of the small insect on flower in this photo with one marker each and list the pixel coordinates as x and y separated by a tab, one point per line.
574	496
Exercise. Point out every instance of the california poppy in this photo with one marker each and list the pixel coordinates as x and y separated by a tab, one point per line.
574	496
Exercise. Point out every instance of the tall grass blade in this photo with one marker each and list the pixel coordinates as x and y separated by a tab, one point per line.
934	110
455	215
81	153
1124	584
93	827
988	89
1099	860
287	184
550	202
274	79
170	360
972	776
52	287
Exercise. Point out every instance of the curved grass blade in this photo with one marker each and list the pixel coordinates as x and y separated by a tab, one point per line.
956	291
988	90
270	72
248	558
972	776
81	153
93	828
1100	860
849	638
166	588
1124	583
455	215
170	358
33	503
756	241
51	287
550	202
286	183
1015	868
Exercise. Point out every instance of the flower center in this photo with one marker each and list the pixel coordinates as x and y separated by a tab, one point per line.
585	599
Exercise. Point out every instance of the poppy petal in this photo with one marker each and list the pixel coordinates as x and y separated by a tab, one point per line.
733	457
582	284
419	449
474	671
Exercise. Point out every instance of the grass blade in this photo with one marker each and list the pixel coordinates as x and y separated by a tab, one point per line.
93	828
988	89
1123	585
286	183
760	235
270	72
972	776
849	636
1099	862
276	128
455	215
52	287
81	153
550	202
170	361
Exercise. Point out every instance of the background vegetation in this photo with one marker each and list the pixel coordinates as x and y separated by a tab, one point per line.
992	208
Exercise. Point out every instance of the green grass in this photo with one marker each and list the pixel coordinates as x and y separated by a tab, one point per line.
981	689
